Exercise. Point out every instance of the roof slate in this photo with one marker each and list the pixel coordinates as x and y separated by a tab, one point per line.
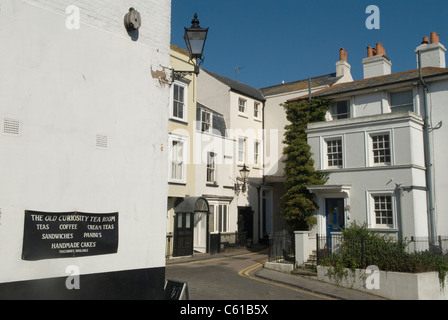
325	80
238	86
218	121
376	81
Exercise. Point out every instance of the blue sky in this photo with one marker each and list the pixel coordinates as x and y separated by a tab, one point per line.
289	40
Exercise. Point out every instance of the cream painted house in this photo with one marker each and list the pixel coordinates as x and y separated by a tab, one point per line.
214	176
181	166
240	108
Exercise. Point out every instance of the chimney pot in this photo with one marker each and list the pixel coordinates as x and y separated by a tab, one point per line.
380	49
425	40
342	54
369	52
434	37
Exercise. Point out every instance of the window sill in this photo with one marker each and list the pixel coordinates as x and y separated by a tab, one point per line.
383	229
178	120
387	164
243	115
213	185
177	183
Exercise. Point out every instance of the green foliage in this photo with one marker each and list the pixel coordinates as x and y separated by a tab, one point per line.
361	247
298	205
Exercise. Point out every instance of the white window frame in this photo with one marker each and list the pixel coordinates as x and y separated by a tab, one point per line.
409	106
185	102
372	219
242	106
211	167
182	163
257	145
335	116
257	111
371	150
220	223
326	155
210	123
242	153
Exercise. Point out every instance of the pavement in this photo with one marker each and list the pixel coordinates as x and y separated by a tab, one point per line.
301	278
309	282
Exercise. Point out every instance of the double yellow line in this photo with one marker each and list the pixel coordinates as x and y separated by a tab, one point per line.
209	260
246	273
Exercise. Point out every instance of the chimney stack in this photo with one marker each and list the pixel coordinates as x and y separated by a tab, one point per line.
432	52
343	67
377	63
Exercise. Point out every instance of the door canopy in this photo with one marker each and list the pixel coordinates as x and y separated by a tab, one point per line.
193	205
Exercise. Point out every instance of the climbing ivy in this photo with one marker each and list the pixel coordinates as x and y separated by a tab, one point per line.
298	205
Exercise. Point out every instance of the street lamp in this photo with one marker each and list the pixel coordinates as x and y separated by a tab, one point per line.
195	38
244	176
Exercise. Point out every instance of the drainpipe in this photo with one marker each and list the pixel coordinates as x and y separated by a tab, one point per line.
260	212
264	142
309	90
428	159
399	194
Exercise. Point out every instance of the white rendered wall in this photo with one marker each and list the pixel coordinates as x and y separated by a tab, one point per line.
65	87
437	101
406	169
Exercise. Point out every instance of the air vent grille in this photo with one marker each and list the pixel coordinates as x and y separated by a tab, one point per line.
101	141
11	126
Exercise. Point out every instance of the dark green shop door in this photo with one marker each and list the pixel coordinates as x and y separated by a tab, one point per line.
183	235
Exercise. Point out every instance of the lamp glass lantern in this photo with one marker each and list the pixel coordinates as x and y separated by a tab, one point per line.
244	173
195	38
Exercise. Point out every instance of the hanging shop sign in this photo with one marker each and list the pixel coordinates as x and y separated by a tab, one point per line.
67	235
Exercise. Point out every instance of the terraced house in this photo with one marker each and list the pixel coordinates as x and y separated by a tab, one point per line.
237	118
383	145
274	124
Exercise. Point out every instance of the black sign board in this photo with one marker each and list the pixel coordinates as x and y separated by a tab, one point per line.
176	290
67	235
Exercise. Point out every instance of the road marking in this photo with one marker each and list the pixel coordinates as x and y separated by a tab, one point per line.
246	273
211	260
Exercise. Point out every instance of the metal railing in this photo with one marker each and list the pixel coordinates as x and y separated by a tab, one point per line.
369	251
282	247
236	239
219	242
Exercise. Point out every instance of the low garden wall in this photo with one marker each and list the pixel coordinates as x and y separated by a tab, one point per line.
390	285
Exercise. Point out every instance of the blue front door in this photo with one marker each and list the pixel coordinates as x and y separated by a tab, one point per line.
335	216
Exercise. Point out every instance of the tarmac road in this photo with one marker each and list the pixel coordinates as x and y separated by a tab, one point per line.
241	276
